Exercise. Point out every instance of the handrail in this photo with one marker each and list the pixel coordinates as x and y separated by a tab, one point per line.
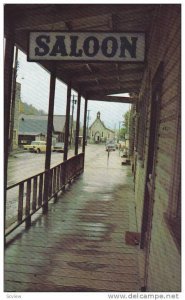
24	180
31	194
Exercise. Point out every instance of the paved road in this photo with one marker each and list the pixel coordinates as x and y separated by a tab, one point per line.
26	164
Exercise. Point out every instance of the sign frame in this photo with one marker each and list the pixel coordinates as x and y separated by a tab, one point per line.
85	60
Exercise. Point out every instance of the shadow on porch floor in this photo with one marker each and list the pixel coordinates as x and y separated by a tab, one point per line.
79	245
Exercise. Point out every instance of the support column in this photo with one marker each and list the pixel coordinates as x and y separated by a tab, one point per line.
77	124
13	100
84	127
49	138
66	142
8	69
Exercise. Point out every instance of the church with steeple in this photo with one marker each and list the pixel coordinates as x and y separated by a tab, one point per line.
98	132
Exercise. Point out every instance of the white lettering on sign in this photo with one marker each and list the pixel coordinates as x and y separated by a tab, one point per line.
86	46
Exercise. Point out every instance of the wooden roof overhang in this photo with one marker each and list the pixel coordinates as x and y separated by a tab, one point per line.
95	80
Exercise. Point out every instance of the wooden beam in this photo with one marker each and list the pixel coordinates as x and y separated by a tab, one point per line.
8	69
77	124
67	121
84	126
114	99
105	75
65	12
50	119
93	94
49	138
91	72
115	84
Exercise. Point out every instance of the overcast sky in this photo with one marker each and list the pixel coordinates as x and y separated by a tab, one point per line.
35	90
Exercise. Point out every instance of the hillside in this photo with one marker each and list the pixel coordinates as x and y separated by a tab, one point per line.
29	109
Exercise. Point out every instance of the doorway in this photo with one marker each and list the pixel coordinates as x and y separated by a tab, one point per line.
97	137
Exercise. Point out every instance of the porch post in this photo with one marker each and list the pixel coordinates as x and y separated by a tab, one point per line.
84	127
49	137
77	123
13	99
66	141
8	70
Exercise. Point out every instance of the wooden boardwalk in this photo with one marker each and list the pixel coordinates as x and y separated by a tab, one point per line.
79	244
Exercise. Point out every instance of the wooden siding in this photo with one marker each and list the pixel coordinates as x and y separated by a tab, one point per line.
164	256
139	192
164	269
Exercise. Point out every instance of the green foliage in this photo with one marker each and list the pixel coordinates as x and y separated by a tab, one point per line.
122	133
126	118
125	125
29	109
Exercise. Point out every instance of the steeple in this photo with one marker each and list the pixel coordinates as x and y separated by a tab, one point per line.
98	115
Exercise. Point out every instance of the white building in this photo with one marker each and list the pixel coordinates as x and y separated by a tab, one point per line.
98	132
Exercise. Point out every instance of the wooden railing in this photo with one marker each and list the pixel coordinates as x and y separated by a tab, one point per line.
25	198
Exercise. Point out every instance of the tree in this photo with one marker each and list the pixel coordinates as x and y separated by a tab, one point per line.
122	132
29	109
126	121
125	125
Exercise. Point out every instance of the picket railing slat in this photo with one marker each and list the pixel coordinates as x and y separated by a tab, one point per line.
59	176
20	201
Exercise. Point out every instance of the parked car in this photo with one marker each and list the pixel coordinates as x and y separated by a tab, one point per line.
59	147
29	146
110	146
36	146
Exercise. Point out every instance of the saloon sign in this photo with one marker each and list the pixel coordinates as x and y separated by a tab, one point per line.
86	46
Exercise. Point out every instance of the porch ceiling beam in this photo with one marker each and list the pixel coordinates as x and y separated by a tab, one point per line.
92	94
100	76
114	99
133	89
118	75
125	85
65	12
91	72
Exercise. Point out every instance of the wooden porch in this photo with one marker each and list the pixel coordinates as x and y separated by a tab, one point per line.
79	244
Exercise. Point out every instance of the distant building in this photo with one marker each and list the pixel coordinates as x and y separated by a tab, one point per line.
59	127
34	127
98	132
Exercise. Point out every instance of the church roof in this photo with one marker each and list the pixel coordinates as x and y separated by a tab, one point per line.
98	118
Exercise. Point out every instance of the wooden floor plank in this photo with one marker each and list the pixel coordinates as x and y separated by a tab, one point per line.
79	245
33	265
68	281
35	250
13	286
79	258
78	271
